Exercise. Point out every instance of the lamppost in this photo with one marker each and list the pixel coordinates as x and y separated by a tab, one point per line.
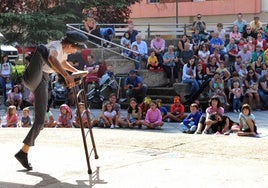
177	13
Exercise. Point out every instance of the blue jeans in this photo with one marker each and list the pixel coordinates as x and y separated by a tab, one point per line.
263	96
3	85
188	127
194	85
236	104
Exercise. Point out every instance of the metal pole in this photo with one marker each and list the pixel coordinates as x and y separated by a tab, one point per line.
177	13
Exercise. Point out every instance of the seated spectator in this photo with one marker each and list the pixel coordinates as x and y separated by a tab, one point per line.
90	26
223	71
177	113
153	118
132	32
15	97
245	55
200	24
65	117
211	67
243	72
49	119
125	42
189	124
247	122
221	31
145	105
232	50
134	54
169	65
181	44
85	114
205	123
217	42
12	117
255	24
134	86
196	39
203	54
261	42
235	34
158	45
26	119
216	86
142	47
240	23
248	32
134	114
257	66
109	116
189	75
258	52
152	63
162	109
108	34
93	68
252	85
263	89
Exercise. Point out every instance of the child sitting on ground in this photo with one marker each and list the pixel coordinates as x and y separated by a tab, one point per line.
49	119
176	110
134	114
84	114
153	117
246	122
109	116
12	117
189	124
26	119
162	109
65	117
145	106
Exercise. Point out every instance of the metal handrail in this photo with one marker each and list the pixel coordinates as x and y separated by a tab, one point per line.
103	41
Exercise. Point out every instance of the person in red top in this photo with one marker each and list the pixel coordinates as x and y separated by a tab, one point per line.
176	110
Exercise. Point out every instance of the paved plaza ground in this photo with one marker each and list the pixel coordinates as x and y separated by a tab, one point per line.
137	158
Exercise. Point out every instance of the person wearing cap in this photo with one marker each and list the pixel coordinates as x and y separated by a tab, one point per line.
177	113
108	34
255	24
134	86
47	59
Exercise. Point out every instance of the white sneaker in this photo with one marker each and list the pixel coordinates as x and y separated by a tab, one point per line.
235	111
116	126
112	127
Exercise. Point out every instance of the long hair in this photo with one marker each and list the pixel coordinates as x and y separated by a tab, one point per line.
129	109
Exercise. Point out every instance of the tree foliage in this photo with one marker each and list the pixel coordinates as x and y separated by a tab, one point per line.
36	21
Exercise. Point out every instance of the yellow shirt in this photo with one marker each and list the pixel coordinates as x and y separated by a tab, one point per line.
152	60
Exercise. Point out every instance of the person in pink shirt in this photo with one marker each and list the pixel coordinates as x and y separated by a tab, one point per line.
12	117
153	117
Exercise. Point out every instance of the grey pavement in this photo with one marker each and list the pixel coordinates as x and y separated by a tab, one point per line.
137	158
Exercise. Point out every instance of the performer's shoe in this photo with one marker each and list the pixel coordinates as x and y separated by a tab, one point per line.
22	157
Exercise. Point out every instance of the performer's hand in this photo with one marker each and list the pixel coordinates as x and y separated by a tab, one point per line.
69	81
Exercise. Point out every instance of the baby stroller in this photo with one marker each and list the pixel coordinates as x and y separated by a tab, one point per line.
59	93
101	90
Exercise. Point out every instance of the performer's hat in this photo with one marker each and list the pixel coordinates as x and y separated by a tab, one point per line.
76	38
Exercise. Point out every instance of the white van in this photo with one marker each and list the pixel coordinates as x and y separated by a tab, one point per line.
11	51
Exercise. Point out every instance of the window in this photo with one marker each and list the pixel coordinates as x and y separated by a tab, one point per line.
153	1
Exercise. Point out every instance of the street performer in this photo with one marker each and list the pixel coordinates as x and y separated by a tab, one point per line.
47	59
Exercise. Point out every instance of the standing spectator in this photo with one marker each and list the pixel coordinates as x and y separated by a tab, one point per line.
263	89
169	65
134	86
189	75
177	113
237	93
158	44
26	119
142	47
84	114
132	32
247	122
65	117
189	124
12	117
125	42
252	85
240	23
153	117
5	73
